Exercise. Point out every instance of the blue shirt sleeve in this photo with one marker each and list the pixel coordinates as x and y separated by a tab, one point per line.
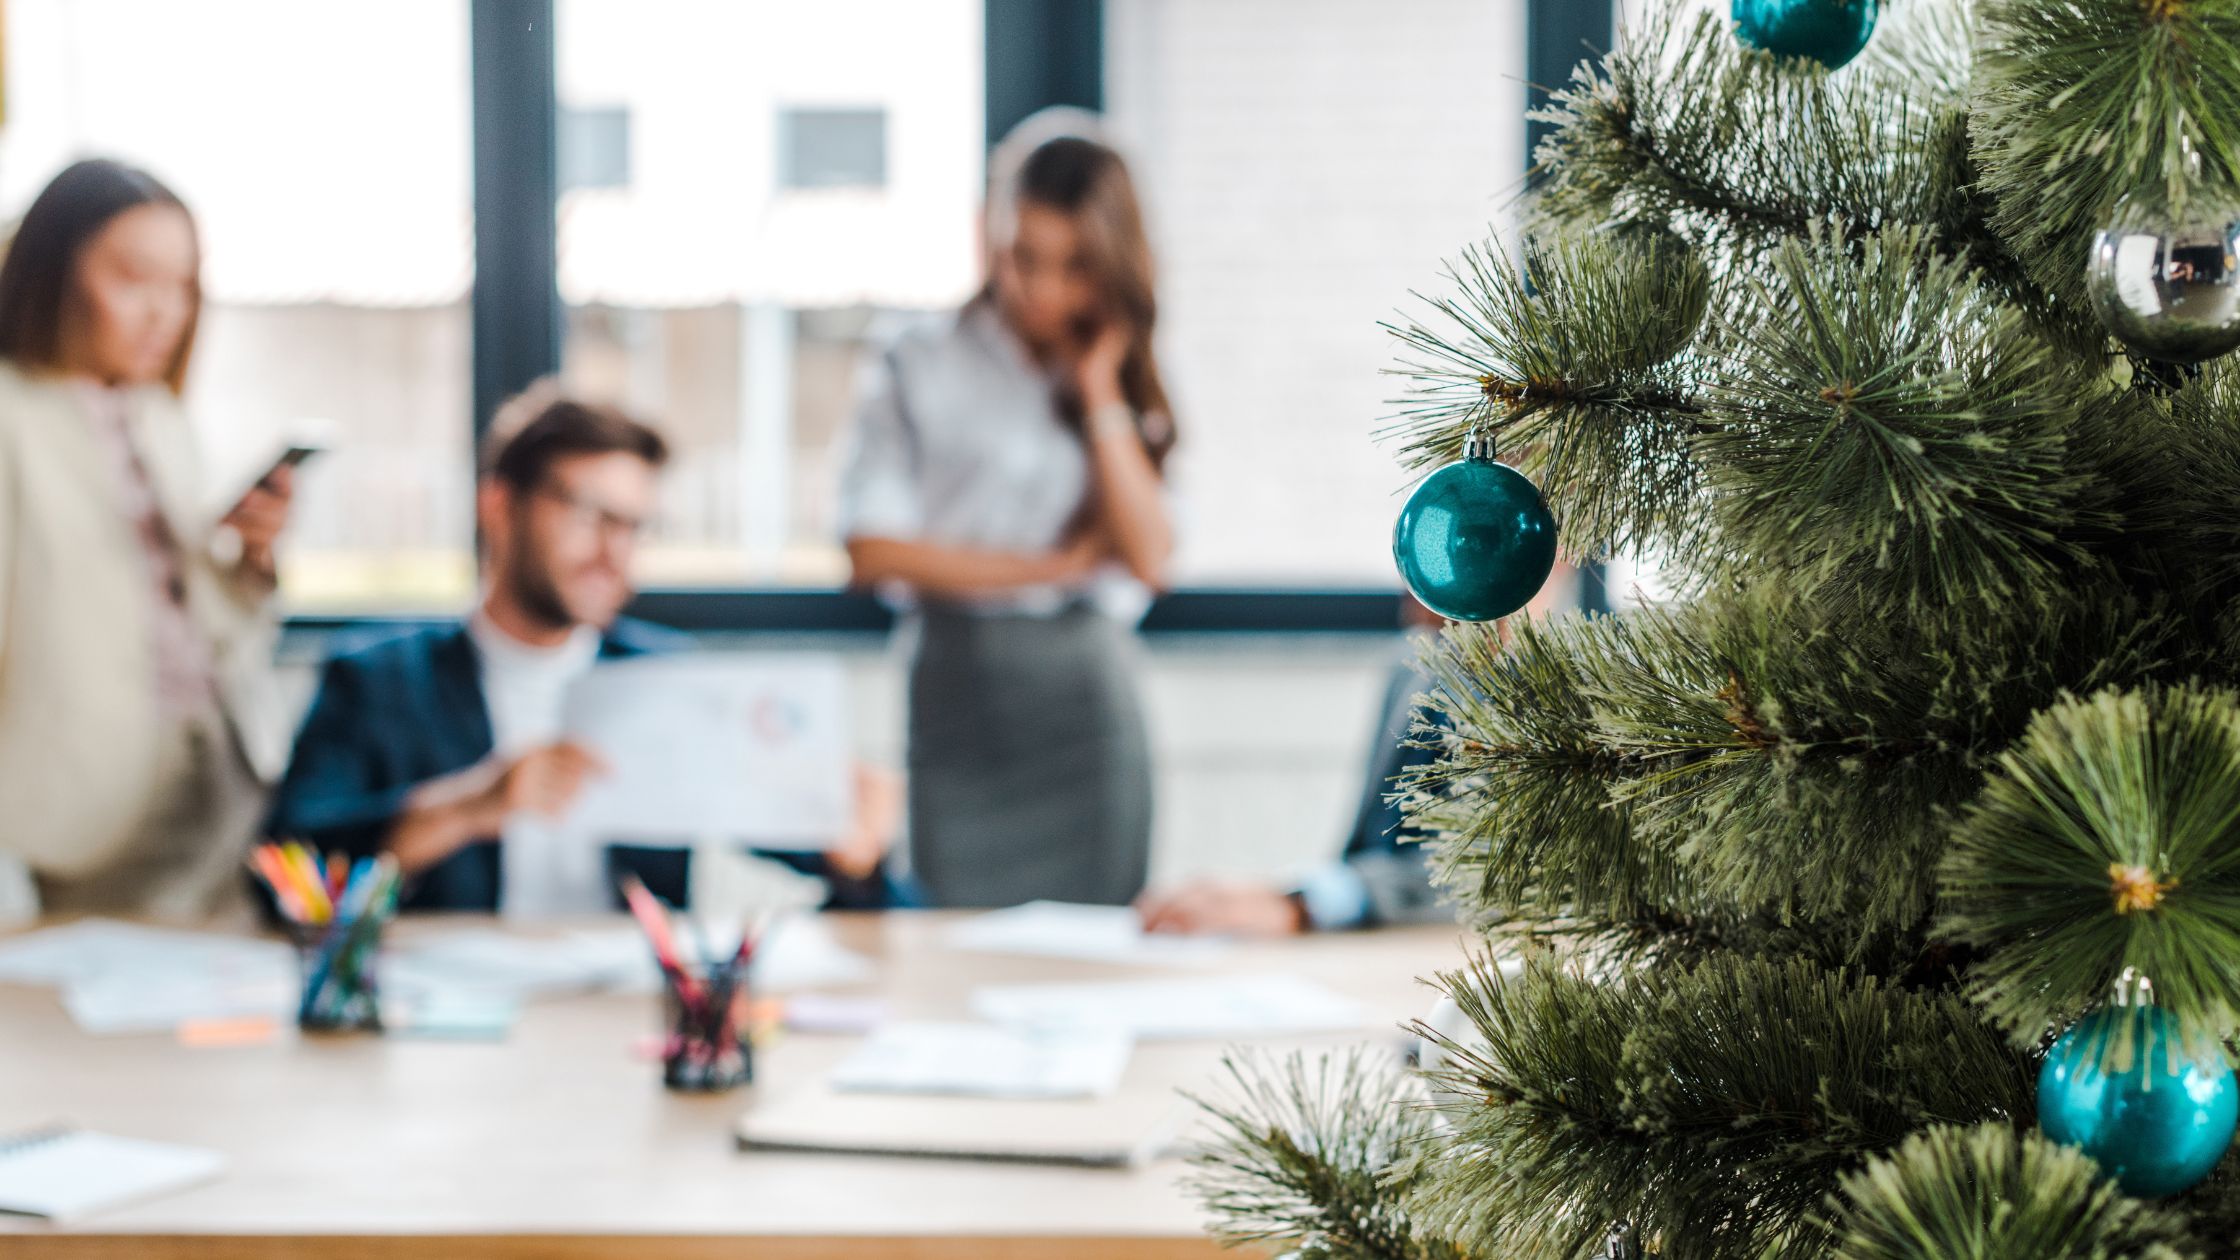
1336	898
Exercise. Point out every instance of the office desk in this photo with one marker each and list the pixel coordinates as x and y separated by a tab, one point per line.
559	1142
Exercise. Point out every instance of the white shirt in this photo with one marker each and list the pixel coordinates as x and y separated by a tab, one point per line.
524	686
958	442
544	872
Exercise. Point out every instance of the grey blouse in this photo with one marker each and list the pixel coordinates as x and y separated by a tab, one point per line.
958	442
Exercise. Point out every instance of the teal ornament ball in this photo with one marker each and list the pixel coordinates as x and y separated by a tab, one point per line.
1475	541
1830	32
2153	1108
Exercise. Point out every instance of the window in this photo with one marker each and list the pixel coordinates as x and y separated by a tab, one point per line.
833	148
751	195
802	177
1306	163
336	226
594	147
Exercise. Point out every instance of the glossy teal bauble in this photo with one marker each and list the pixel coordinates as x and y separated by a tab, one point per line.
2153	1108
1476	540
1830	32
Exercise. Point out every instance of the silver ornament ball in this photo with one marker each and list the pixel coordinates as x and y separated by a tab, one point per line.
2168	285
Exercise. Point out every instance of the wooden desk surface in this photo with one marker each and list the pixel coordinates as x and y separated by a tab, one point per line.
559	1141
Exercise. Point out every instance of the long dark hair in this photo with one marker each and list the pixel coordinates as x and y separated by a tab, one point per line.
40	271
1089	182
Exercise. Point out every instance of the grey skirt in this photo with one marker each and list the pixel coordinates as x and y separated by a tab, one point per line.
1030	773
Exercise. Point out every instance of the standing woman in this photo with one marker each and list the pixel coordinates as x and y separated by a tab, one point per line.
135	638
1007	478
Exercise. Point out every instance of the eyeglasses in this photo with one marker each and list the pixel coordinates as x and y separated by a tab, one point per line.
587	515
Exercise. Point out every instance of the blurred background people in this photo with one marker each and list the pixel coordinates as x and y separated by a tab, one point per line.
136	716
424	745
1380	877
1006	479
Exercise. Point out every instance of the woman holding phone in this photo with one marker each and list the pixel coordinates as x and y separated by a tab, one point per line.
1007	481
135	632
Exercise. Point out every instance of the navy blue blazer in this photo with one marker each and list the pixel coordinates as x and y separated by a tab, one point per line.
397	713
1395	875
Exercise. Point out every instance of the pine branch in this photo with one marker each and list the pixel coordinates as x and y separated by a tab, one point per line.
1987	1193
1742	150
1581	375
2172	467
1892	431
1714	1107
1743	759
1303	1154
2105	842
1521	798
1849	740
2079	102
1926	44
2212	1206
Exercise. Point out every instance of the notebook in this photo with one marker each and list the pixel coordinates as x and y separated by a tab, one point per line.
1128	1131
62	1174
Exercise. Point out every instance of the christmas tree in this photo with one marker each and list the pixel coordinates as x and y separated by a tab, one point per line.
1843	873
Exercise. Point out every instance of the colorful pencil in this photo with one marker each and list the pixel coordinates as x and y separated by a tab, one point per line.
654	921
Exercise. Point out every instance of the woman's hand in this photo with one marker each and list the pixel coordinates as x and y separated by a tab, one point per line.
1131	507
1096	373
1080	557
968	572
260	517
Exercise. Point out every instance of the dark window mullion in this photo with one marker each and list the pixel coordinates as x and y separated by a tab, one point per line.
516	298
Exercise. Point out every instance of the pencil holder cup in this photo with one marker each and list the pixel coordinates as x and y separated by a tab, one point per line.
340	992
706	1049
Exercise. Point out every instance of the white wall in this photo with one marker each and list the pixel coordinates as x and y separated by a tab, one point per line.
1305	164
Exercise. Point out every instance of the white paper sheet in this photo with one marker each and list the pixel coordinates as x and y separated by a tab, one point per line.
914	1057
1058	929
551	872
1175	1010
96	947
125	978
715	747
498	964
829	1014
159	1001
800	953
68	1175
803	954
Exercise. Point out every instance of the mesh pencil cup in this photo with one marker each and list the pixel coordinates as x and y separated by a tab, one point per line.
706	1049
340	987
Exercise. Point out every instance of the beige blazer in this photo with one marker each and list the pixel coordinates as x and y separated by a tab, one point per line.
78	718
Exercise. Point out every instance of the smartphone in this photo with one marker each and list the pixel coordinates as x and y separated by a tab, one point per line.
297	451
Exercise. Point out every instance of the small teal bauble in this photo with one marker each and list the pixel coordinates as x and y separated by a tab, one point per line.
1476	540
1830	32
2152	1107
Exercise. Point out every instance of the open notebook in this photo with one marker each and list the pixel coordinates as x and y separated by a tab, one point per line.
62	1174
1124	1132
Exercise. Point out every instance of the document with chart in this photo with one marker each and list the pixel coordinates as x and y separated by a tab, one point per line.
709	746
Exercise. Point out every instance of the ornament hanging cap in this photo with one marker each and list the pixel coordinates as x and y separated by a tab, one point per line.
1477	445
2133	989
